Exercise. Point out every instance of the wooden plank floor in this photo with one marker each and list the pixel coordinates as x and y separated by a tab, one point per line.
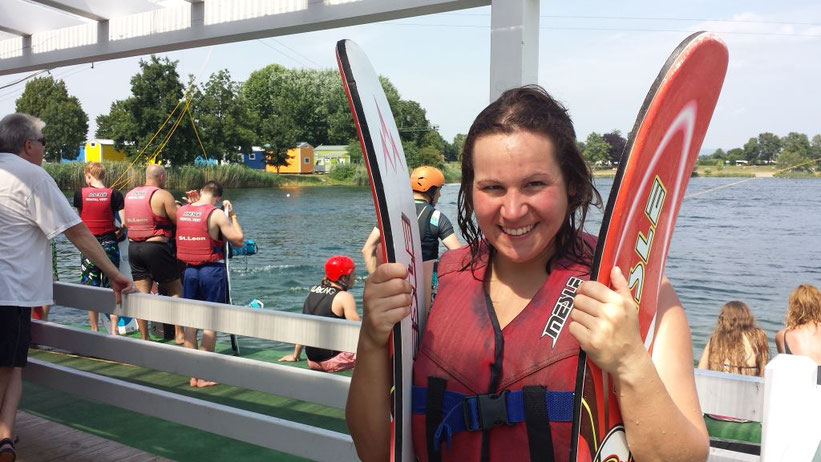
42	440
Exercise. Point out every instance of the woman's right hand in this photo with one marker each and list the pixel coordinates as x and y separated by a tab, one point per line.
386	301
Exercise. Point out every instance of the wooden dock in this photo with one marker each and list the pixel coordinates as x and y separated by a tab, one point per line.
42	440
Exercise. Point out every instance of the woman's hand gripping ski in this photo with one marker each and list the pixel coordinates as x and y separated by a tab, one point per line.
386	300
606	325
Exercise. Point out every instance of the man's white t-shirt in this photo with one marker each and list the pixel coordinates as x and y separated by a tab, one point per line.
32	211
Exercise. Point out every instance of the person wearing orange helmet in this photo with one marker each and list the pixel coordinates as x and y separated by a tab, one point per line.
331	299
426	183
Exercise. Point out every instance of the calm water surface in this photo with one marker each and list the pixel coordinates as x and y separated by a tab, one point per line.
753	241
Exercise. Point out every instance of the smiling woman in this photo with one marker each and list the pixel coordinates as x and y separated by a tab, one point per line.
524	197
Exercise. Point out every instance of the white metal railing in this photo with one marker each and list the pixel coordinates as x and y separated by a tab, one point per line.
274	433
787	401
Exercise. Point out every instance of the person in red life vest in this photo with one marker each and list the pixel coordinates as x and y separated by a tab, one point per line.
150	215
512	312
98	205
330	299
202	230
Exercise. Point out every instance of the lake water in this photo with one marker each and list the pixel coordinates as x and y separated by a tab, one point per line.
754	240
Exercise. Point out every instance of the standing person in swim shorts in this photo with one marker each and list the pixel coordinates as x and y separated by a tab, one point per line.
32	211
150	215
98	205
202	230
330	299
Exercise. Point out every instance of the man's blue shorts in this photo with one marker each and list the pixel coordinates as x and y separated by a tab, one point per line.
206	282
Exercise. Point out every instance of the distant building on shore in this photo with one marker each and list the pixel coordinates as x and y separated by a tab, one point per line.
99	150
254	159
328	156
300	160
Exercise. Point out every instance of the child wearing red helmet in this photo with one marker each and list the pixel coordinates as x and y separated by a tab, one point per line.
330	298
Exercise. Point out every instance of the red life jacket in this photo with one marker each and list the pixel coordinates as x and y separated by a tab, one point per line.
96	211
140	219
195	245
482	368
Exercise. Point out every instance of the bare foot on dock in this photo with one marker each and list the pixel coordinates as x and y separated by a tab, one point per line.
202	383
193	382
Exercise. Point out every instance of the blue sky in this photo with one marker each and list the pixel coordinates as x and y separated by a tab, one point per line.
598	57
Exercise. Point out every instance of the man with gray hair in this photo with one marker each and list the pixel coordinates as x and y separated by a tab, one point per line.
32	211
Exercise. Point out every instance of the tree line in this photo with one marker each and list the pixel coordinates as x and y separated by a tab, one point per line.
169	120
795	150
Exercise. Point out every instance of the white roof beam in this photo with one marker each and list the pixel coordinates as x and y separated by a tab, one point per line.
317	16
70	9
11	31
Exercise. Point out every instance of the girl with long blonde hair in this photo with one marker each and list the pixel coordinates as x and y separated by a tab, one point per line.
737	344
802	324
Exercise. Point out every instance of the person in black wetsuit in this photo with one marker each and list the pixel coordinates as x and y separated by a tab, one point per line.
330	299
426	183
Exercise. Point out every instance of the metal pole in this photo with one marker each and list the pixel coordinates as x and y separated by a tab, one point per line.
514	44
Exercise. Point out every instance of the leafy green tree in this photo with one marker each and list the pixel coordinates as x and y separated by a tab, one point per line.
769	146
66	122
141	122
751	150
596	149
816	147
794	161
299	105
224	123
276	159
797	147
734	155
719	154
355	151
454	150
426	156
617	144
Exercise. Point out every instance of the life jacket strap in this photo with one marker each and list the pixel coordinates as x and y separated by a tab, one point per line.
482	412
433	416
539	437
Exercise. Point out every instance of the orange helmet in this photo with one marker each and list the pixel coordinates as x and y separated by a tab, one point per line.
423	178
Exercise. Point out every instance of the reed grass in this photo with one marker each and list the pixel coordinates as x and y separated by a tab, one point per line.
69	176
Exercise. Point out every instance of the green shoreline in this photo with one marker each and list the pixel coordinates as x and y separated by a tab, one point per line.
69	175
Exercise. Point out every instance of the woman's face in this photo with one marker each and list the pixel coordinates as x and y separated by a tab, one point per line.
519	194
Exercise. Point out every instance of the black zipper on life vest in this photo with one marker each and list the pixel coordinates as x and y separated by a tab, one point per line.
499	346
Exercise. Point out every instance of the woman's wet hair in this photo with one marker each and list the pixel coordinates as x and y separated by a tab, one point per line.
803	306
531	109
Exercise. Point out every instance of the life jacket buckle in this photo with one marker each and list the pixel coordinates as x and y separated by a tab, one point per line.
483	412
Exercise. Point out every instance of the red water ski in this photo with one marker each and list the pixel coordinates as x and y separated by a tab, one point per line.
640	216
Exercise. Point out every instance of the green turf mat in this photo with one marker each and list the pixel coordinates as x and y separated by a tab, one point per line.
156	436
164	438
749	432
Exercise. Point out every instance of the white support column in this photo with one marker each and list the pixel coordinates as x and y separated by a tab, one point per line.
792	402
514	44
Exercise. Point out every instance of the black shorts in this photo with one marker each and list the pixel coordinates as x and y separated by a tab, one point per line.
15	335
152	260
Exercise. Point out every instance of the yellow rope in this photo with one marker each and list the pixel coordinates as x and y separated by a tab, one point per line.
197	133
140	154
171	132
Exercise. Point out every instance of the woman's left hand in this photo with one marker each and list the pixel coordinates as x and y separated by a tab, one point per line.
605	323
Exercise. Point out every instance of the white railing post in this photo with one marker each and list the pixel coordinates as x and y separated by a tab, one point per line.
792	405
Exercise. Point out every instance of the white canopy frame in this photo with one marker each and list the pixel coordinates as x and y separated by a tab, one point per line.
46	34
